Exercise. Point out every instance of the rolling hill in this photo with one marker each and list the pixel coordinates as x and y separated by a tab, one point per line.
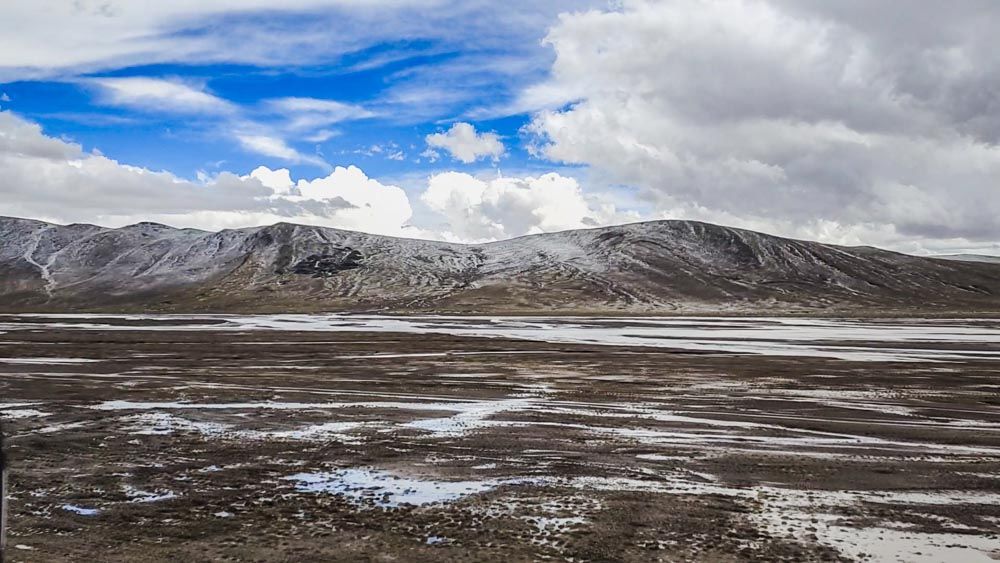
657	267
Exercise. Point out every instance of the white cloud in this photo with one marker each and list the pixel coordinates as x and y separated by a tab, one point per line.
492	48
4	97
297	117
466	145
431	155
160	95
482	210
93	32
53	179
373	204
21	139
793	116
304	114
321	136
276	148
280	180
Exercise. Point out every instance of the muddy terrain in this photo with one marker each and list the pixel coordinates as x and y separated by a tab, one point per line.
366	439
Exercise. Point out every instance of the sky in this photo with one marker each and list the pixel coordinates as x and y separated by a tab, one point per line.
857	122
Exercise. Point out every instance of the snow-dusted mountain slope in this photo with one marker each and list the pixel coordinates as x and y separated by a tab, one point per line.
655	267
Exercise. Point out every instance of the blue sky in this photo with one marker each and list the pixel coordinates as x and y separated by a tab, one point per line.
186	143
476	120
308	87
416	79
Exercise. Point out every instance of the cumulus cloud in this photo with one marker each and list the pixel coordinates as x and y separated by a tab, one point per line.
803	118
56	180
371	206
500	208
465	144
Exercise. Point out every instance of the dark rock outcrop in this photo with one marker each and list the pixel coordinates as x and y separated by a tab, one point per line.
326	265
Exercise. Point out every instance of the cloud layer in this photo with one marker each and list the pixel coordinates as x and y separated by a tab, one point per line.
267	129
486	49
798	117
52	179
853	121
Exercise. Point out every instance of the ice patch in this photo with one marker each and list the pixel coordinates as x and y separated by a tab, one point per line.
61	427
163	424
44	361
82	511
386	490
555	525
22	413
658	457
316	432
799	513
435	540
473	416
129	405
17	405
140	496
846	339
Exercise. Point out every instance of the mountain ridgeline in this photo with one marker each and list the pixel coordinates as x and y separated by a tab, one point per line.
659	267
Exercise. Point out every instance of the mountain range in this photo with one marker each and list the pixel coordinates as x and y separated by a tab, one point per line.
659	267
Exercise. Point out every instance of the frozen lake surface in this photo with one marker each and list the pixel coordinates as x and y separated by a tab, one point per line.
849	339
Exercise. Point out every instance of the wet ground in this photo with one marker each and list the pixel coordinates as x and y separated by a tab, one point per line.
345	438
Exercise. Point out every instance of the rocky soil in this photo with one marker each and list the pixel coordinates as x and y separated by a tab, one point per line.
153	441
